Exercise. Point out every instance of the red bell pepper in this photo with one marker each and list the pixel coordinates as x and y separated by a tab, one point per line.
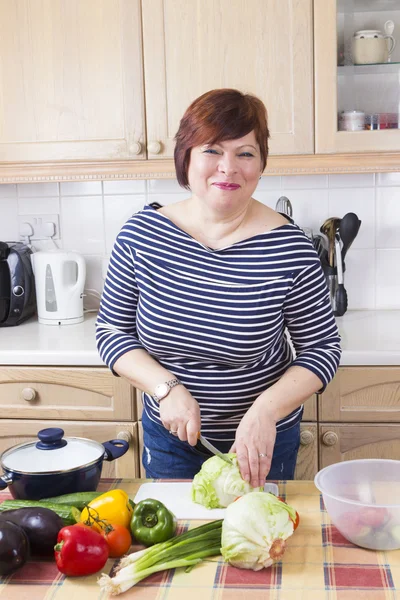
80	551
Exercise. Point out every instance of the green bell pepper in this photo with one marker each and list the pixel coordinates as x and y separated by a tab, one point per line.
152	522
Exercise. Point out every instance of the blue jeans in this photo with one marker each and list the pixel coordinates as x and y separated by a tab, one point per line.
166	457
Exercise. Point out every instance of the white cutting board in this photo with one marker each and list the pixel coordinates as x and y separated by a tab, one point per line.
177	498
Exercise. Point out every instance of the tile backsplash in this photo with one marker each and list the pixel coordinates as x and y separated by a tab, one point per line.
91	214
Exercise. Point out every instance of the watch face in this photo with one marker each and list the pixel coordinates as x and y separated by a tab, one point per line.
162	390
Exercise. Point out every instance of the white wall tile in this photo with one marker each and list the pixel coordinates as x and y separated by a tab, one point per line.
131	186
39	206
81	188
270	182
9	220
352	180
388	179
388	217
117	210
37	190
94	281
302	182
360	278
362	202
388	279
310	207
82	224
8	190
164	186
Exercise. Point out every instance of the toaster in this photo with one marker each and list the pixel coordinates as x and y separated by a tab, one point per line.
17	284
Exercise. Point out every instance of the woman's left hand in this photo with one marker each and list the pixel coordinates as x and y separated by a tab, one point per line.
254	444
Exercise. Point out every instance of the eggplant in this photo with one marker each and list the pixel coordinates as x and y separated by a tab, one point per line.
14	547
40	524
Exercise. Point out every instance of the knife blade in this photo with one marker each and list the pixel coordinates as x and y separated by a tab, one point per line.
213	449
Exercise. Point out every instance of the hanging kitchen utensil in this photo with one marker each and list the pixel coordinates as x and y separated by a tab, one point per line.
348	230
340	293
284	206
328	228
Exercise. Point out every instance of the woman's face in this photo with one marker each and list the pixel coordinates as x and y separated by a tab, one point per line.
225	174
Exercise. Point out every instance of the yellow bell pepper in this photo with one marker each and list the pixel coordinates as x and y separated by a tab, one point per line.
113	507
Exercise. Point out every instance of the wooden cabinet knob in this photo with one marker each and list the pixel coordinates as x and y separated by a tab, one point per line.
29	394
330	438
136	148
154	147
125	435
306	438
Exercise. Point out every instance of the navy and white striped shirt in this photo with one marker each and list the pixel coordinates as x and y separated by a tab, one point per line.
216	319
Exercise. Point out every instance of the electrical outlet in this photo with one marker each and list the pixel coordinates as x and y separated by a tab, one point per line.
39	226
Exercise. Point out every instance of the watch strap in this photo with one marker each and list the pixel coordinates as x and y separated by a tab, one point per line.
171	383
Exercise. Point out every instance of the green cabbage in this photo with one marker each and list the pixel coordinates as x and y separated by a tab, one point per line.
218	483
254	530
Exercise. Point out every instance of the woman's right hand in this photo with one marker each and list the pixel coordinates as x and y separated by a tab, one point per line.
180	414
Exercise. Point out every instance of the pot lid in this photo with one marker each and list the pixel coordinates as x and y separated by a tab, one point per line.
52	453
369	33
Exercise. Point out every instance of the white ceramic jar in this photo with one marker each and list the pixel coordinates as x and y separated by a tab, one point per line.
370	46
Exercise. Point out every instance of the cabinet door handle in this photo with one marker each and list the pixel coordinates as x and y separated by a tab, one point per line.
136	148
154	147
125	435
29	394
330	438
306	438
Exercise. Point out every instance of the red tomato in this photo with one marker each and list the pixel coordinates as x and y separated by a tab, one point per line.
372	516
296	521
118	539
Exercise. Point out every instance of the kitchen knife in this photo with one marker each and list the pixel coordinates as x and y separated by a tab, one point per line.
213	449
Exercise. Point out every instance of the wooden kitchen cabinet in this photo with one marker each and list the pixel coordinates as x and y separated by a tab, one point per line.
18	431
74	393
307	458
362	394
71	81
264	48
339	442
341	85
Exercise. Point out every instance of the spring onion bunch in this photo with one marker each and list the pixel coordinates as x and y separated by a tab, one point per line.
185	550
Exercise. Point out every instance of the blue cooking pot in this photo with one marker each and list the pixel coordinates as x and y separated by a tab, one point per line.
55	465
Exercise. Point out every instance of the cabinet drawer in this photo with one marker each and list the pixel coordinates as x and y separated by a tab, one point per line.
340	442
65	393
368	394
13	431
307	458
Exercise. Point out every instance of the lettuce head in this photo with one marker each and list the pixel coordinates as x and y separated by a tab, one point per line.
218	483
254	531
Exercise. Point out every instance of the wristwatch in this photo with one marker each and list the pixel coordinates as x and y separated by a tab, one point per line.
162	389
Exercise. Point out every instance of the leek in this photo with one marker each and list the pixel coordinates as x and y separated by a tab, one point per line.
185	550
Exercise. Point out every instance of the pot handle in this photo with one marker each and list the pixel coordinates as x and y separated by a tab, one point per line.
115	449
5	481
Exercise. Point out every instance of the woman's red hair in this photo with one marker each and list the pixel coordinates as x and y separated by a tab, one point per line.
216	116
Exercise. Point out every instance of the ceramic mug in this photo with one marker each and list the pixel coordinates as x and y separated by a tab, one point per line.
370	47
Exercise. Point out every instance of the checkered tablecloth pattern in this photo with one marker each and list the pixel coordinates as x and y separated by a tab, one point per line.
319	564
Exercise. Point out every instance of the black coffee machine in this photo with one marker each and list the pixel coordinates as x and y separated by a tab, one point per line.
17	284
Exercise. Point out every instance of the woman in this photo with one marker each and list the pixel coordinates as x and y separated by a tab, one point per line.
197	299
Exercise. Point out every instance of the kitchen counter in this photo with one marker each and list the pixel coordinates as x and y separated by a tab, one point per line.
318	563
369	337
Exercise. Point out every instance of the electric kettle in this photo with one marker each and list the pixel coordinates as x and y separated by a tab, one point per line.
59	281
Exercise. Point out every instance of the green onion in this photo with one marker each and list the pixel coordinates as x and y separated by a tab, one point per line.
185	550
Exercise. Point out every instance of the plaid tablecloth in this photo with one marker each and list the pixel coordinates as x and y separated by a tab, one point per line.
319	564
